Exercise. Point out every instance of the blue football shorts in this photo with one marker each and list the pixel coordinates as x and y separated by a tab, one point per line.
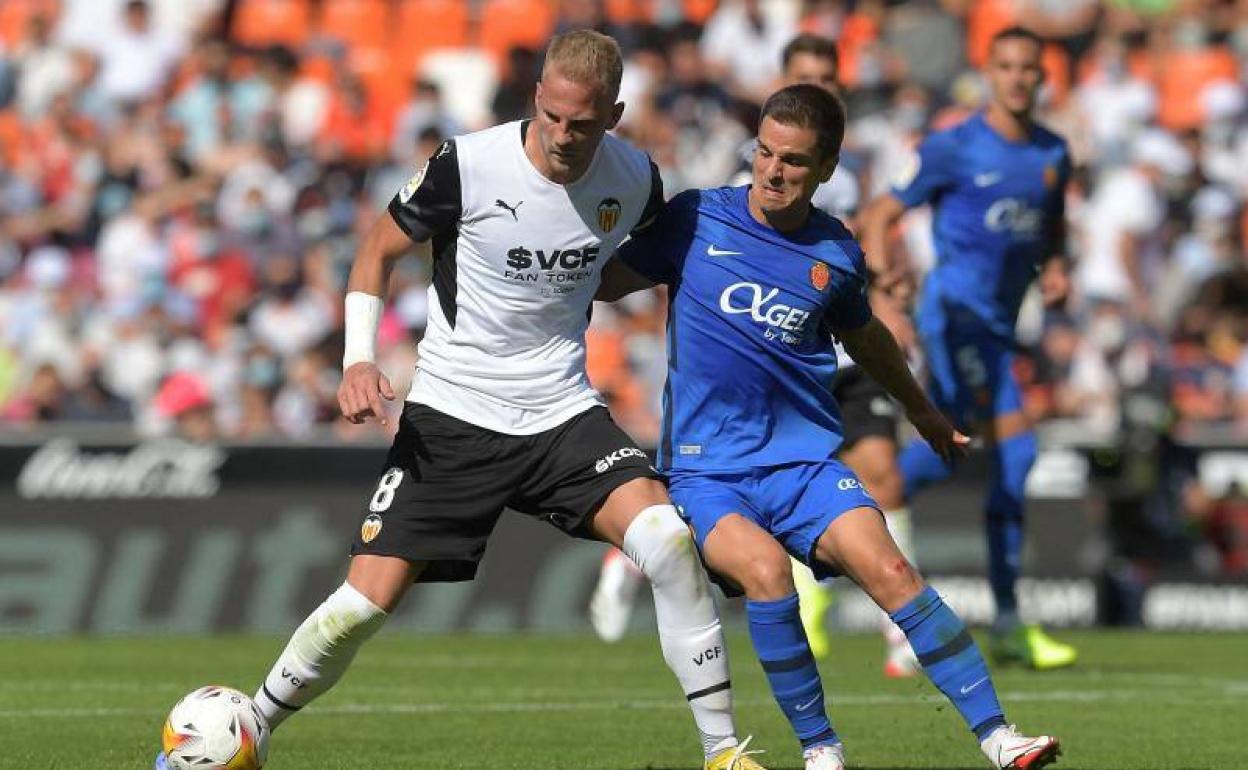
794	502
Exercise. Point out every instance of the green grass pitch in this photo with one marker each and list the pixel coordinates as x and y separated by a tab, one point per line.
1137	701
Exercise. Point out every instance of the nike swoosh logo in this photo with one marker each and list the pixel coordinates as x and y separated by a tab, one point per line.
987	180
807	704
969	687
714	252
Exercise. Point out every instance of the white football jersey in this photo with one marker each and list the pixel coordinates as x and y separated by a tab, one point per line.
517	259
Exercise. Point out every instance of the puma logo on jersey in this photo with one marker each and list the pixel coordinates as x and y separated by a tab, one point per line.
502	204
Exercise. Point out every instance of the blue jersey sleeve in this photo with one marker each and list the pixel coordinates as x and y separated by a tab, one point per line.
937	161
657	250
848	308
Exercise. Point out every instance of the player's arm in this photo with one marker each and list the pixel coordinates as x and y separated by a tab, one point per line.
931	172
619	280
874	225
1054	278
873	347
655	250
428	204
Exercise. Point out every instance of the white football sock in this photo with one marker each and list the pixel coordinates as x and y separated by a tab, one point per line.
318	653
690	634
900	527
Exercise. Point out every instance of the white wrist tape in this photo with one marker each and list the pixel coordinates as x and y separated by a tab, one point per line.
360	322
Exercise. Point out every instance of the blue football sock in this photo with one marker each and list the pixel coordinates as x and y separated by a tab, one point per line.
776	630
1013	459
920	467
952	660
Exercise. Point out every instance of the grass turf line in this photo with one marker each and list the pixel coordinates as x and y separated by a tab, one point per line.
1136	702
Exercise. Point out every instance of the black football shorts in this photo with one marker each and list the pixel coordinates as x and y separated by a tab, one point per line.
446	481
866	407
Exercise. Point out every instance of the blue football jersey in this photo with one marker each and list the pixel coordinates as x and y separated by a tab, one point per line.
998	209
750	354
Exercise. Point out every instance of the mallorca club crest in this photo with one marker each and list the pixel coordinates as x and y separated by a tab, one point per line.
820	274
609	210
371	528
1050	177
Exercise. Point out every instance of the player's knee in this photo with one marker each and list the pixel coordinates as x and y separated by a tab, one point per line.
345	620
659	543
895	582
767	576
1015	456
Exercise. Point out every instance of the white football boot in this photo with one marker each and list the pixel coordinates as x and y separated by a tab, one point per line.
825	757
1007	750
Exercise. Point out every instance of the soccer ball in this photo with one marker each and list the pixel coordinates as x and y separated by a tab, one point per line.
215	728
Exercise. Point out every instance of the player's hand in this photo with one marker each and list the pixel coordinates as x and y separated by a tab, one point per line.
359	396
939	433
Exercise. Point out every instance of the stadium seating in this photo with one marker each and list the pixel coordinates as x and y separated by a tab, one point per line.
422	26
505	24
356	23
266	22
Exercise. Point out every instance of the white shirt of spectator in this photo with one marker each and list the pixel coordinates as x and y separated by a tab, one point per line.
752	55
1124	203
135	66
517	259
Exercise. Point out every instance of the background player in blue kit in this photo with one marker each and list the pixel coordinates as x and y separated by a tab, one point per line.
997	185
759	282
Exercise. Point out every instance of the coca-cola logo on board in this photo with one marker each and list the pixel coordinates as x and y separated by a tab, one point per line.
158	468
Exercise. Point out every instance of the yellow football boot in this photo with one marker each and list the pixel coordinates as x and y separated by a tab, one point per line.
814	600
1031	646
734	758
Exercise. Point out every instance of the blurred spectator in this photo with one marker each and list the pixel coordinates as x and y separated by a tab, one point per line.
422	115
514	98
742	45
1122	247
138	57
184	403
704	137
45	69
171	202
290	317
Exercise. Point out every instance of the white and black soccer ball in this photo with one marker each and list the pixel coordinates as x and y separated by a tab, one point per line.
215	728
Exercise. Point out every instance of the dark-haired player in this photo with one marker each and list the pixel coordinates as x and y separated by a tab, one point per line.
760	281
997	187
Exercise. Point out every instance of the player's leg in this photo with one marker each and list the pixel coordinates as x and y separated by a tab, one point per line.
324	645
638	518
738	548
874	459
594	482
858	544
428	518
921	467
615	593
1013	450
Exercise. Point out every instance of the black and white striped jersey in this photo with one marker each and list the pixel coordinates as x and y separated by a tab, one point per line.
516	261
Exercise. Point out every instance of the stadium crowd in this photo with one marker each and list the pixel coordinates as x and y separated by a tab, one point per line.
182	185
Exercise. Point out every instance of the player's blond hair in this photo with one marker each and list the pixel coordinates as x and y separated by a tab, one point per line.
587	57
